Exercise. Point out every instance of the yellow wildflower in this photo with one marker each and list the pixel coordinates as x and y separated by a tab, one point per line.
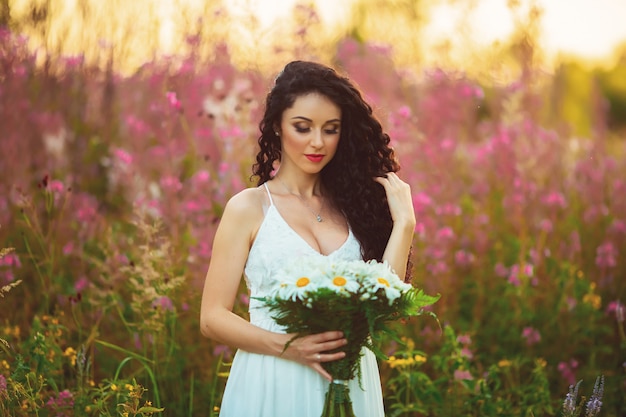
504	363
401	363
71	354
216	408
419	358
5	365
88	409
129	387
541	362
113	387
594	300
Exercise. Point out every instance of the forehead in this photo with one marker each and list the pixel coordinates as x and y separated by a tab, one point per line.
313	106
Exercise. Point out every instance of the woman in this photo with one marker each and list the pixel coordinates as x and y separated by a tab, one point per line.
334	194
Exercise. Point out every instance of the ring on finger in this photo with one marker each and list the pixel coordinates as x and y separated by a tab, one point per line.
318	357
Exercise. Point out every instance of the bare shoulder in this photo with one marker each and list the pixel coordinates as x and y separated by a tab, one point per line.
245	209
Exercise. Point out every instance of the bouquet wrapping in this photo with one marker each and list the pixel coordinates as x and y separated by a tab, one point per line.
359	298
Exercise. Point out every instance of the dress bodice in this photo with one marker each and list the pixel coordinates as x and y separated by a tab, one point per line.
276	243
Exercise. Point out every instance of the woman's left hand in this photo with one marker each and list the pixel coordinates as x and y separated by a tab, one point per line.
399	199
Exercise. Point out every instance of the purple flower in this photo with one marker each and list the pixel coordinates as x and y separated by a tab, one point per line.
164	303
595	402
3	385
569	405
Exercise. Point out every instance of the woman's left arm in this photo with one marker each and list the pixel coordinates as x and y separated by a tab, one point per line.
403	215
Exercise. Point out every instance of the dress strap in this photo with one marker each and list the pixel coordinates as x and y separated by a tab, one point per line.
269	195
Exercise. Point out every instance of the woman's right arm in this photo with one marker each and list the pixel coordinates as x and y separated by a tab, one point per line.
241	218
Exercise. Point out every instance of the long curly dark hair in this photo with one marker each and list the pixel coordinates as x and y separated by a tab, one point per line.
363	151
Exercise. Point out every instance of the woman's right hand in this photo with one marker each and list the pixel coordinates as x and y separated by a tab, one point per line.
312	350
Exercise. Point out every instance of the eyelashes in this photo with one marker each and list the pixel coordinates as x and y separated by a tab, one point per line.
307	129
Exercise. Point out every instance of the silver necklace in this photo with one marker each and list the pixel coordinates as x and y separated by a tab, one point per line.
318	216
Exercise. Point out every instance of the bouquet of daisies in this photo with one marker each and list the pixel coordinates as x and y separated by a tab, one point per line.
358	298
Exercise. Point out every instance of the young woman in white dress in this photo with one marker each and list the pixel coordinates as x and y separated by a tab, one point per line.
327	187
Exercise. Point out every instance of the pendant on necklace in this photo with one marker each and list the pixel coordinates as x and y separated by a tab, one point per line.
319	218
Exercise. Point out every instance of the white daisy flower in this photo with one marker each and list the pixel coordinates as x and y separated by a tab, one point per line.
380	276
341	280
298	279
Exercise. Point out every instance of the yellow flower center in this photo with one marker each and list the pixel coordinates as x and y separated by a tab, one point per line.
340	281
302	282
383	281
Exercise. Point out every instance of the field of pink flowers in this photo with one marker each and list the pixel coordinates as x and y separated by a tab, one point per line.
111	188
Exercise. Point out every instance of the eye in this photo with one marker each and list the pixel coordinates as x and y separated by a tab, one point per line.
331	131
301	129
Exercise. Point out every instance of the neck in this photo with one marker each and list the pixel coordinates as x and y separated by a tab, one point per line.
305	187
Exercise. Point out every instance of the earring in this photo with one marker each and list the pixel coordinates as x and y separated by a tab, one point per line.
277	134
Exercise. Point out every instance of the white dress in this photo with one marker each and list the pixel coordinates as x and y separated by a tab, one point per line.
268	386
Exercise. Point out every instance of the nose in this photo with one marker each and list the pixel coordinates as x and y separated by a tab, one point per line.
317	140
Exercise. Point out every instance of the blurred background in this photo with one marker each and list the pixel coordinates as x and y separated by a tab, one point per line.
125	126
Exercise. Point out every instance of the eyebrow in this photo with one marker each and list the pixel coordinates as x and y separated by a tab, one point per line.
309	120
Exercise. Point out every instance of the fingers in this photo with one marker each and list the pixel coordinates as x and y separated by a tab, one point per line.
313	350
318	358
399	198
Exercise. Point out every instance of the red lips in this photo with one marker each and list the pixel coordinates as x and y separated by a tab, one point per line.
315	157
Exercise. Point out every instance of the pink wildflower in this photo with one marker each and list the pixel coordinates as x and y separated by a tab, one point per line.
223	168
404	111
606	255
201	177
244	299
123	156
554	199
619	226
463	258
461	375
81	284
56	186
421	201
617	308
531	335
467	353
545	225
173	101
68	248
568	370
438	268
501	270
221	350
12	260
171	183
464	339
445	233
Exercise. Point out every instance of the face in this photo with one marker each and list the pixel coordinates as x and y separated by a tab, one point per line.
309	133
